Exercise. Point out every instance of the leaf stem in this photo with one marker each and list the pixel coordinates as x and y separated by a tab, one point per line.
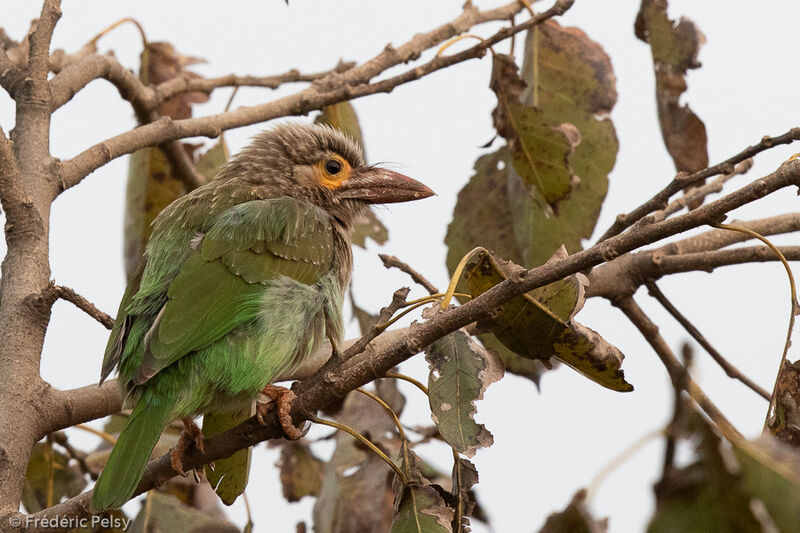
388	409
795	307
451	288
365	441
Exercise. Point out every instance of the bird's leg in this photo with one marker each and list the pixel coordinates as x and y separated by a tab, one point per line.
282	398
191	434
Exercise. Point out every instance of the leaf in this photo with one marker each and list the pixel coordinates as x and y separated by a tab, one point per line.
364	318
574	85
212	160
785	424
44	462
418	506
151	183
367	224
482	217
770	473
342	116
230	474
151	187
540	150
539	324
576	518
167	514
706	495
674	48
460	371
301	471
356	492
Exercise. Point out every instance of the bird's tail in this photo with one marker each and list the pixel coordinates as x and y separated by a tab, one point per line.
128	459
229	475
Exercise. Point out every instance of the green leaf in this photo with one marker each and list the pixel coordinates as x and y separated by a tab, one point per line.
151	187
574	93
230	475
418	506
165	514
212	160
576	518
706	495
460	371
482	217
539	324
771	473
301	471
45	464
540	150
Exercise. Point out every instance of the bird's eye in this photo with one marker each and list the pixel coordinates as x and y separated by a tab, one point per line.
333	167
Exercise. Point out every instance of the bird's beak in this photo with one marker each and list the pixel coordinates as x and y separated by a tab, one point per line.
381	186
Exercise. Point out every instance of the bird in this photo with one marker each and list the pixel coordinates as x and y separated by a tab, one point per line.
241	280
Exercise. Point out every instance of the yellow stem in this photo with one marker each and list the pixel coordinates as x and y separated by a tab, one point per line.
451	42
795	307
398	375
451	288
365	441
388	409
102	434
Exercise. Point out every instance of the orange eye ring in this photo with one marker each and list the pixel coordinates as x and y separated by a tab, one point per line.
332	171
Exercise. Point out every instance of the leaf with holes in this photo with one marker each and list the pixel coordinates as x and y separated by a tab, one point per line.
460	371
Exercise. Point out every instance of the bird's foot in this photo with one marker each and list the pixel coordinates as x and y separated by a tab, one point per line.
191	435
282	398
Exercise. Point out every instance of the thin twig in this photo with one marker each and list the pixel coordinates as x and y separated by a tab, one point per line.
729	368
60	438
677	372
352	84
698	194
69	295
659	201
390	261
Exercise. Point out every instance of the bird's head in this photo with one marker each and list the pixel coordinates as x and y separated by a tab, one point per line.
324	166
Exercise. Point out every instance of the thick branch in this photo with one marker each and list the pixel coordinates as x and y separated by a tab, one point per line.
622	276
39	56
65	409
333	89
659	201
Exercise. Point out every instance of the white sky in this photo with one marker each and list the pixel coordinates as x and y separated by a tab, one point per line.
549	443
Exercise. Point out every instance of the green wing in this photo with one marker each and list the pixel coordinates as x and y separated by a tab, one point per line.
221	284
122	324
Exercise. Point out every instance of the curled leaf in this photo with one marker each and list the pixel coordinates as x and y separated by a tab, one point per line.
418	506
540	324
301	472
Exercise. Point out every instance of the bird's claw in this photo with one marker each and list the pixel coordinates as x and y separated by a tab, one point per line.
282	398
191	434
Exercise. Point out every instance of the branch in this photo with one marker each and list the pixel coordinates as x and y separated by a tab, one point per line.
184	84
39	55
678	374
10	75
698	194
76	76
659	201
624	275
65	293
390	261
729	369
330	90
63	409
13	197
